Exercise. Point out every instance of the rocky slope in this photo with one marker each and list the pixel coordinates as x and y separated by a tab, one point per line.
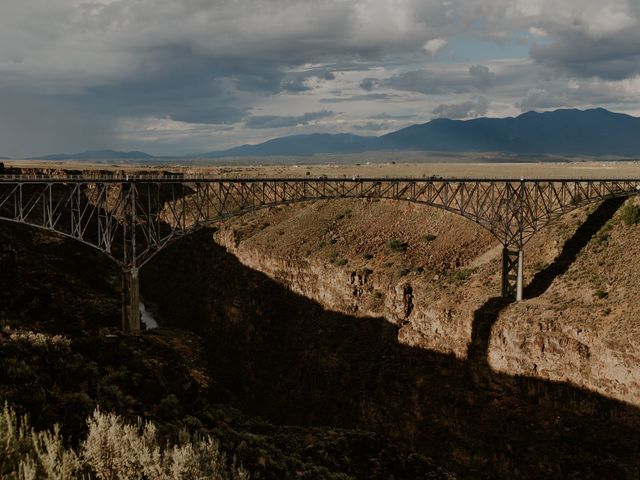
383	316
440	271
61	356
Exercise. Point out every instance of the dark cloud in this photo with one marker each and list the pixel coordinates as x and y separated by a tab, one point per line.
476	107
32	125
482	77
90	66
437	81
369	84
387	116
273	121
295	85
360	98
615	57
324	74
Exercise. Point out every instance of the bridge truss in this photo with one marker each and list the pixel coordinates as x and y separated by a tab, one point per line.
132	218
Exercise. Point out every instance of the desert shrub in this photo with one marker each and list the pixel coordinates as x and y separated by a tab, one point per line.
340	261
599	293
404	271
601	238
367	256
460	276
539	266
576	200
396	245
429	237
377	299
55	343
28	455
630	214
116	450
112	450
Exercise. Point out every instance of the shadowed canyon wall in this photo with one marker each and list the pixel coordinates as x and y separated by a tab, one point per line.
346	328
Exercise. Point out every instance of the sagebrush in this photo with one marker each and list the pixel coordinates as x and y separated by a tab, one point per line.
112	450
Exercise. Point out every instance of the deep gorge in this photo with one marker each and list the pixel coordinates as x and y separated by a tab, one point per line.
293	360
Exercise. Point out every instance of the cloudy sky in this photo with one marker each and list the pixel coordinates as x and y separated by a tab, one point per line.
185	76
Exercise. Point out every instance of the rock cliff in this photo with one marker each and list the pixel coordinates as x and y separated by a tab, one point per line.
384	316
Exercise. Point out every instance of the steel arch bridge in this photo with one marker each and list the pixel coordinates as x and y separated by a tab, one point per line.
131	218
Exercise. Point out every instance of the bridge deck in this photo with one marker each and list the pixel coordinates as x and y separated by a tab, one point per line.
211	179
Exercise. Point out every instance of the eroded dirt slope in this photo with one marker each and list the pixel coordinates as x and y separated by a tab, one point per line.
429	271
384	316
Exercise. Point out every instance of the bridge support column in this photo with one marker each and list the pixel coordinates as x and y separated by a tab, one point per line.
130	301
512	273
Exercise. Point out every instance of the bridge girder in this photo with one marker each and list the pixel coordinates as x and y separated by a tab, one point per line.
133	218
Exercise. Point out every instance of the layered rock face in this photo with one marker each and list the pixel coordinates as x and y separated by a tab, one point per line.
384	316
375	258
581	329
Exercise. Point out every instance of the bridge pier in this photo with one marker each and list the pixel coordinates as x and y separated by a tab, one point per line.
130	301
512	273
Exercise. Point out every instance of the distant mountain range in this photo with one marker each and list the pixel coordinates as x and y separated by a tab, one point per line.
564	132
301	145
97	155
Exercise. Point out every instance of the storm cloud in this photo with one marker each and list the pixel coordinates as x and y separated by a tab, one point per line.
434	80
190	74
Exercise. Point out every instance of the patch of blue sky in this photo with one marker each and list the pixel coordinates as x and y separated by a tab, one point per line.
470	48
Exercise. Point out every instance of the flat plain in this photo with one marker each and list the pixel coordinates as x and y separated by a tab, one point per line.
364	169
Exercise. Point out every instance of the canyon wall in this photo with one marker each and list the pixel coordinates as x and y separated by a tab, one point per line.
384	316
582	329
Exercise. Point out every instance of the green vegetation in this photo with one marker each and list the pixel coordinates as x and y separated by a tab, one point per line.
396	245
404	271
460	275
630	214
337	260
599	293
539	266
112	449
185	434
576	200
377	300
346	213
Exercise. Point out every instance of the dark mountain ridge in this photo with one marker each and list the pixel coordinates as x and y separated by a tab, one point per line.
591	132
568	131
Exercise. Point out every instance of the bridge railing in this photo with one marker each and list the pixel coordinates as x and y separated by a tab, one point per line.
124	177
